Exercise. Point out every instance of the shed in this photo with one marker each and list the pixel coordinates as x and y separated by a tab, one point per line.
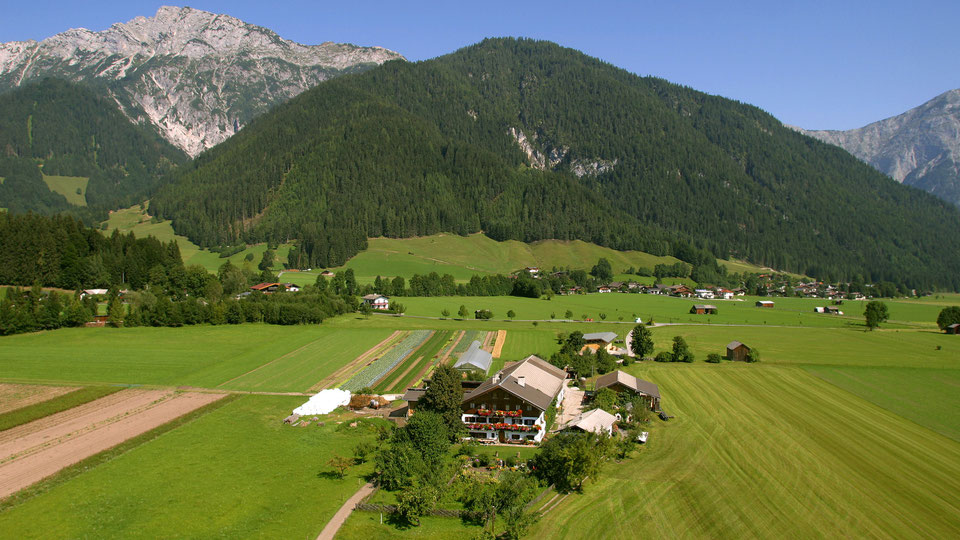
764	303
595	421
737	351
701	309
953	329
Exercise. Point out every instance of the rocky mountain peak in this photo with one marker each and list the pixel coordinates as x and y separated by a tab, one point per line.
197	76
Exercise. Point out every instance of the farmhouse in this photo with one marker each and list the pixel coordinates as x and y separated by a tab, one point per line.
411	396
737	351
93	292
595	421
534	271
377	301
833	310
701	309
726	294
604	289
953	329
512	405
764	303
290	287
706	294
475	359
600	340
327	273
619	381
266	287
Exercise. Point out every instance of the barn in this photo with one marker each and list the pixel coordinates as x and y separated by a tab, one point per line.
737	351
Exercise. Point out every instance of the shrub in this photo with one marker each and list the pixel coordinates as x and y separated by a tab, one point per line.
663	356
713	358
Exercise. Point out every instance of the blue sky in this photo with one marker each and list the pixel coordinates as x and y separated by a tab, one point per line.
816	64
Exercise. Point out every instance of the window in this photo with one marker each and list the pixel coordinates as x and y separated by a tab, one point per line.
515	437
472	406
528	422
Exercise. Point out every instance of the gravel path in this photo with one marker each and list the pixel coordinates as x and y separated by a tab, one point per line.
338	519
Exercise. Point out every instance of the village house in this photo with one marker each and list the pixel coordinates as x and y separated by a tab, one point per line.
474	359
604	289
618	381
680	290
290	287
833	310
511	406
726	294
600	340
737	351
266	288
706	294
377	301
703	309
412	396
327	274
764	303
93	292
739	291
594	421
534	271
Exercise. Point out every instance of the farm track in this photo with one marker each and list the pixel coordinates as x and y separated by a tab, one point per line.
446	356
498	347
18	396
337	375
31	452
388	375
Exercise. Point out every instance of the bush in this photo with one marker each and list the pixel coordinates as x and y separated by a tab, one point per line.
753	355
713	358
663	356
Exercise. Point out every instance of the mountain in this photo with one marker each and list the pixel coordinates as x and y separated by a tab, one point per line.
527	140
57	128
197	76
920	147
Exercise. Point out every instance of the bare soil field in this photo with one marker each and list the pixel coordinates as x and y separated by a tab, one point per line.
18	396
33	451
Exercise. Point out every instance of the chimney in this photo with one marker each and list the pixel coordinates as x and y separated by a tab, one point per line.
522	381
496	378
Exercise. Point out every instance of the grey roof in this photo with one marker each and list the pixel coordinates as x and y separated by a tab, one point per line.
413	394
639	385
606	337
374	296
475	359
704	306
542	382
734	344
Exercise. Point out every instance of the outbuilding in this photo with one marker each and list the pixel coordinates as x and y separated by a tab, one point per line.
953	329
737	351
765	303
701	309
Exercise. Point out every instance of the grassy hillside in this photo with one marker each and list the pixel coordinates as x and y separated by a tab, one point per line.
68	186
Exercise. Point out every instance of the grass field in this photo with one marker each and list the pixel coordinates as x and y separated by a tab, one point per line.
770	452
236	472
68	186
204	356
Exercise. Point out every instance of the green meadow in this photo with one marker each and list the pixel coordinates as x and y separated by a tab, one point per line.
68	186
235	472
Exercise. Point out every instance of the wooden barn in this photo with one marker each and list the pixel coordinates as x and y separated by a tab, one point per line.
703	309
764	303
953	329
737	351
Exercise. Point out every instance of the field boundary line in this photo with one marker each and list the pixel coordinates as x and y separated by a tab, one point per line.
348	367
295	351
498	344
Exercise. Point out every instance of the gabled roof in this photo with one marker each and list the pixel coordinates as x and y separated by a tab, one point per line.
475	359
734	344
606	337
593	421
542	382
375	296
412	395
264	286
704	306
638	385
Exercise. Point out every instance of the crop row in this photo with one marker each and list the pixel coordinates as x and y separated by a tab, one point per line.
469	337
372	373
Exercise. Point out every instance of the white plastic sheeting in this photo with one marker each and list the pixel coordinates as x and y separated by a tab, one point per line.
324	402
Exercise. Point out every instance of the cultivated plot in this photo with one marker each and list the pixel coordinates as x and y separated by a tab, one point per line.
17	396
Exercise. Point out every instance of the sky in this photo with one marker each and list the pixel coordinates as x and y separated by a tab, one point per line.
814	64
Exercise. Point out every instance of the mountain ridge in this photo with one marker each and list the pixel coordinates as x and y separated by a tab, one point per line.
196	76
920	147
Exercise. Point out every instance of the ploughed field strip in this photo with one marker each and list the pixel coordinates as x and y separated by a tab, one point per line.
33	451
498	347
18	396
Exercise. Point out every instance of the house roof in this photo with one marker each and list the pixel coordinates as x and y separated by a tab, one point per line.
593	421
263	286
704	306
475	358
638	385
954	325
606	337
412	395
542	382
734	344
374	297
764	301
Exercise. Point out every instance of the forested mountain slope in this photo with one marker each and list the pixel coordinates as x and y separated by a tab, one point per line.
528	140
64	129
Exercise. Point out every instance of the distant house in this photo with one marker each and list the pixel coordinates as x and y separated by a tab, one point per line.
618	381
604	289
511	406
706	294
833	310
680	290
820	309
534	271
600	340
93	292
595	421
267	288
377	301
615	285
327	273
290	287
737	351
739	291
764	303
474	359
411	396
953	329
726	294
703	309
